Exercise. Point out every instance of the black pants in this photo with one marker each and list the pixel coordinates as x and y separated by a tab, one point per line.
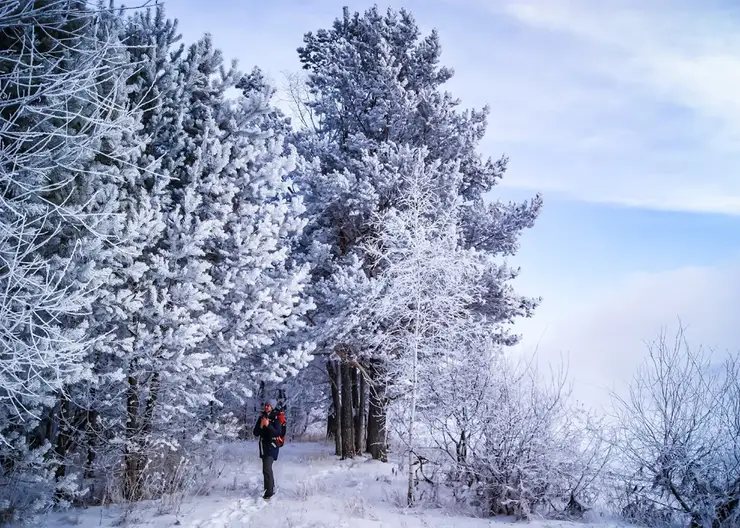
267	473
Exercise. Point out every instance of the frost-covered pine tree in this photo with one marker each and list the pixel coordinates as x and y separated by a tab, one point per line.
210	301
147	235
61	81
123	186
373	80
168	369
261	294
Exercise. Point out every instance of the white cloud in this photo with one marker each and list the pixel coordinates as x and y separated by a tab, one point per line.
603	330
633	103
617	101
691	57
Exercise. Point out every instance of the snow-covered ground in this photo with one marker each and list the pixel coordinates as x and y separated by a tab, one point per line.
314	490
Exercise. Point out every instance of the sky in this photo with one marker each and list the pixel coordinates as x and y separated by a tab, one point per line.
623	114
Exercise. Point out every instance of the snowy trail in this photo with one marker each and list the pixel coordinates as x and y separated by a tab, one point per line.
242	511
314	490
236	515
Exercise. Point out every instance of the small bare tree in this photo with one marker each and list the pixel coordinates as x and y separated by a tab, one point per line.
425	288
297	97
511	441
678	436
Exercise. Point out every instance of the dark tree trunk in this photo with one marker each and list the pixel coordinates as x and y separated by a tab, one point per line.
91	435
137	433
376	414
331	422
151	404
462	448
355	389
73	435
574	509
47	429
51	425
347	422
130	477
335	382
360	411
355	405
64	436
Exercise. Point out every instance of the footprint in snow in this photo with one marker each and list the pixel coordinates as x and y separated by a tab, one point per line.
236	515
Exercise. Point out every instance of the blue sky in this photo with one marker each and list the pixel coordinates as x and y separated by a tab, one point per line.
625	114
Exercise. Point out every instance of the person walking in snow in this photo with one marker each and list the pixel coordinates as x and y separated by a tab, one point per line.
268	428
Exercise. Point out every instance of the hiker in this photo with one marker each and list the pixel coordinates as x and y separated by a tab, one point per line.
269	429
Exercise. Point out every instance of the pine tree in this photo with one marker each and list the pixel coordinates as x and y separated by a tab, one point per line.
217	303
61	78
125	183
375	83
261	286
168	368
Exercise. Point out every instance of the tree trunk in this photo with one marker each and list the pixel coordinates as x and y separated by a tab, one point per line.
91	436
137	434
355	397
130	477
376	413
410	496
331	422
73	435
462	448
360	411
335	382
151	403
347	422
64	437
372	423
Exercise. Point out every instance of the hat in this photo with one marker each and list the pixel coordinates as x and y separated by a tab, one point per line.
271	402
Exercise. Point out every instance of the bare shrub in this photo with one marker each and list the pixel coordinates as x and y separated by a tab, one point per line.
309	488
678	438
512	443
358	507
